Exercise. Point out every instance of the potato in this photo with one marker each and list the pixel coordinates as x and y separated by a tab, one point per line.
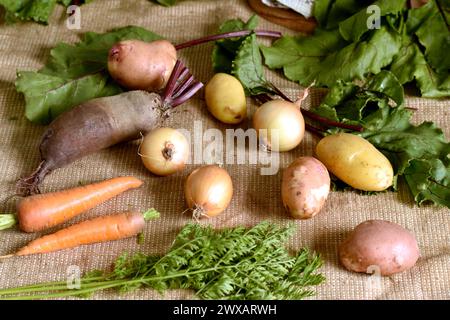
355	161
380	244
305	187
139	65
225	98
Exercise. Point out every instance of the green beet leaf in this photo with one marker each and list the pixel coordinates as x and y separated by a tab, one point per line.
225	50
430	27
241	57
411	43
425	141
410	64
321	9
248	68
325	57
302	50
330	12
429	180
354	27
47	96
38	11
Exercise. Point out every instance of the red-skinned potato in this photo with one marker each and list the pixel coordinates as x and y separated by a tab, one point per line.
379	245
139	65
305	187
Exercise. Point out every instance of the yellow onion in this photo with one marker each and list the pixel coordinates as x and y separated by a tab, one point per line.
285	119
208	191
225	98
164	151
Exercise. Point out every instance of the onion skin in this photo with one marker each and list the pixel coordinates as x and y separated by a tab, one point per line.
164	151
208	191
139	65
305	187
379	244
283	116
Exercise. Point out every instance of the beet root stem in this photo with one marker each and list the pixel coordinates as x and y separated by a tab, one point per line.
181	86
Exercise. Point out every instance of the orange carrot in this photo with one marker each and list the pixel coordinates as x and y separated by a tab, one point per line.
42	211
101	229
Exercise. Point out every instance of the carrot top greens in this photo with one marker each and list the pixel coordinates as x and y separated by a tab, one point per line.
237	263
33	10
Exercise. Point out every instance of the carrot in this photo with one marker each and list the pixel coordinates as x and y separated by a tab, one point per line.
42	211
101	229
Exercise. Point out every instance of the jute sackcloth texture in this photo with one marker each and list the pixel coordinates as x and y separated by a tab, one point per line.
256	197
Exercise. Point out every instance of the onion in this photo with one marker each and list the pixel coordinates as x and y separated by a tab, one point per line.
208	191
164	151
284	117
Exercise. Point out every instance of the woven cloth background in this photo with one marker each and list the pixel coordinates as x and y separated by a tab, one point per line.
256	198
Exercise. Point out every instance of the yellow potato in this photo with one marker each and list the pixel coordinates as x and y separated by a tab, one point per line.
305	187
225	98
355	161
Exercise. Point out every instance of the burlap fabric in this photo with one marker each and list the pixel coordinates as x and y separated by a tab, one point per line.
256	197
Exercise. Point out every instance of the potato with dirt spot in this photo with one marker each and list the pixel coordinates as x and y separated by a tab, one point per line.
355	161
305	187
378	245
225	98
